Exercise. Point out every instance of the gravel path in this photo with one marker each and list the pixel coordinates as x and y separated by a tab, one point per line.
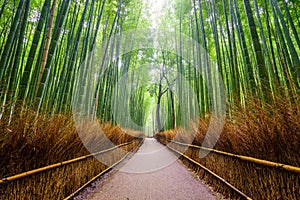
142	177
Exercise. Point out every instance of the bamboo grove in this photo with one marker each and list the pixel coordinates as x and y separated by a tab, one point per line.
254	43
43	45
46	50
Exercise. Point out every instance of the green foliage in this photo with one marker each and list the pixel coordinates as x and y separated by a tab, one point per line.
256	46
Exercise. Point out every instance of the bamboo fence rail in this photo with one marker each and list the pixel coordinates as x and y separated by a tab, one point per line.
100	174
212	173
282	166
53	166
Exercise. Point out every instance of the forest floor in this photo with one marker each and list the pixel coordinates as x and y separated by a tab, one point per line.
151	173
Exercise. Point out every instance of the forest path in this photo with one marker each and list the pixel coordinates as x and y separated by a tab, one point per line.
152	173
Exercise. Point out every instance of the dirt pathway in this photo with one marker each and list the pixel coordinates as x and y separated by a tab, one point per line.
152	173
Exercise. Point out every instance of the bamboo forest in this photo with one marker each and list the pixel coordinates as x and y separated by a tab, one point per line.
150	99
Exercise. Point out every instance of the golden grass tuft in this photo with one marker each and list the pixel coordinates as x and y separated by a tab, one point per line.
269	132
27	144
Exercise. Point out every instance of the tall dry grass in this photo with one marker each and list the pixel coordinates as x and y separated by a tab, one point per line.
269	132
28	144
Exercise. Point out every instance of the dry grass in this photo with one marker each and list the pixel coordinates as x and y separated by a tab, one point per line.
270	132
26	145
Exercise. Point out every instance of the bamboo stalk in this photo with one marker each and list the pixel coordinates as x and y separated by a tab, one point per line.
46	49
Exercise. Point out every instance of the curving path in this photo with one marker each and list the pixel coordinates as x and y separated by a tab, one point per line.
152	173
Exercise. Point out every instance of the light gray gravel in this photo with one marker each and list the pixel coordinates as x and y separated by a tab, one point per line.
169	180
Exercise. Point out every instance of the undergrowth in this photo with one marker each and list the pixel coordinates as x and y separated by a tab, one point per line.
28	143
264	131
